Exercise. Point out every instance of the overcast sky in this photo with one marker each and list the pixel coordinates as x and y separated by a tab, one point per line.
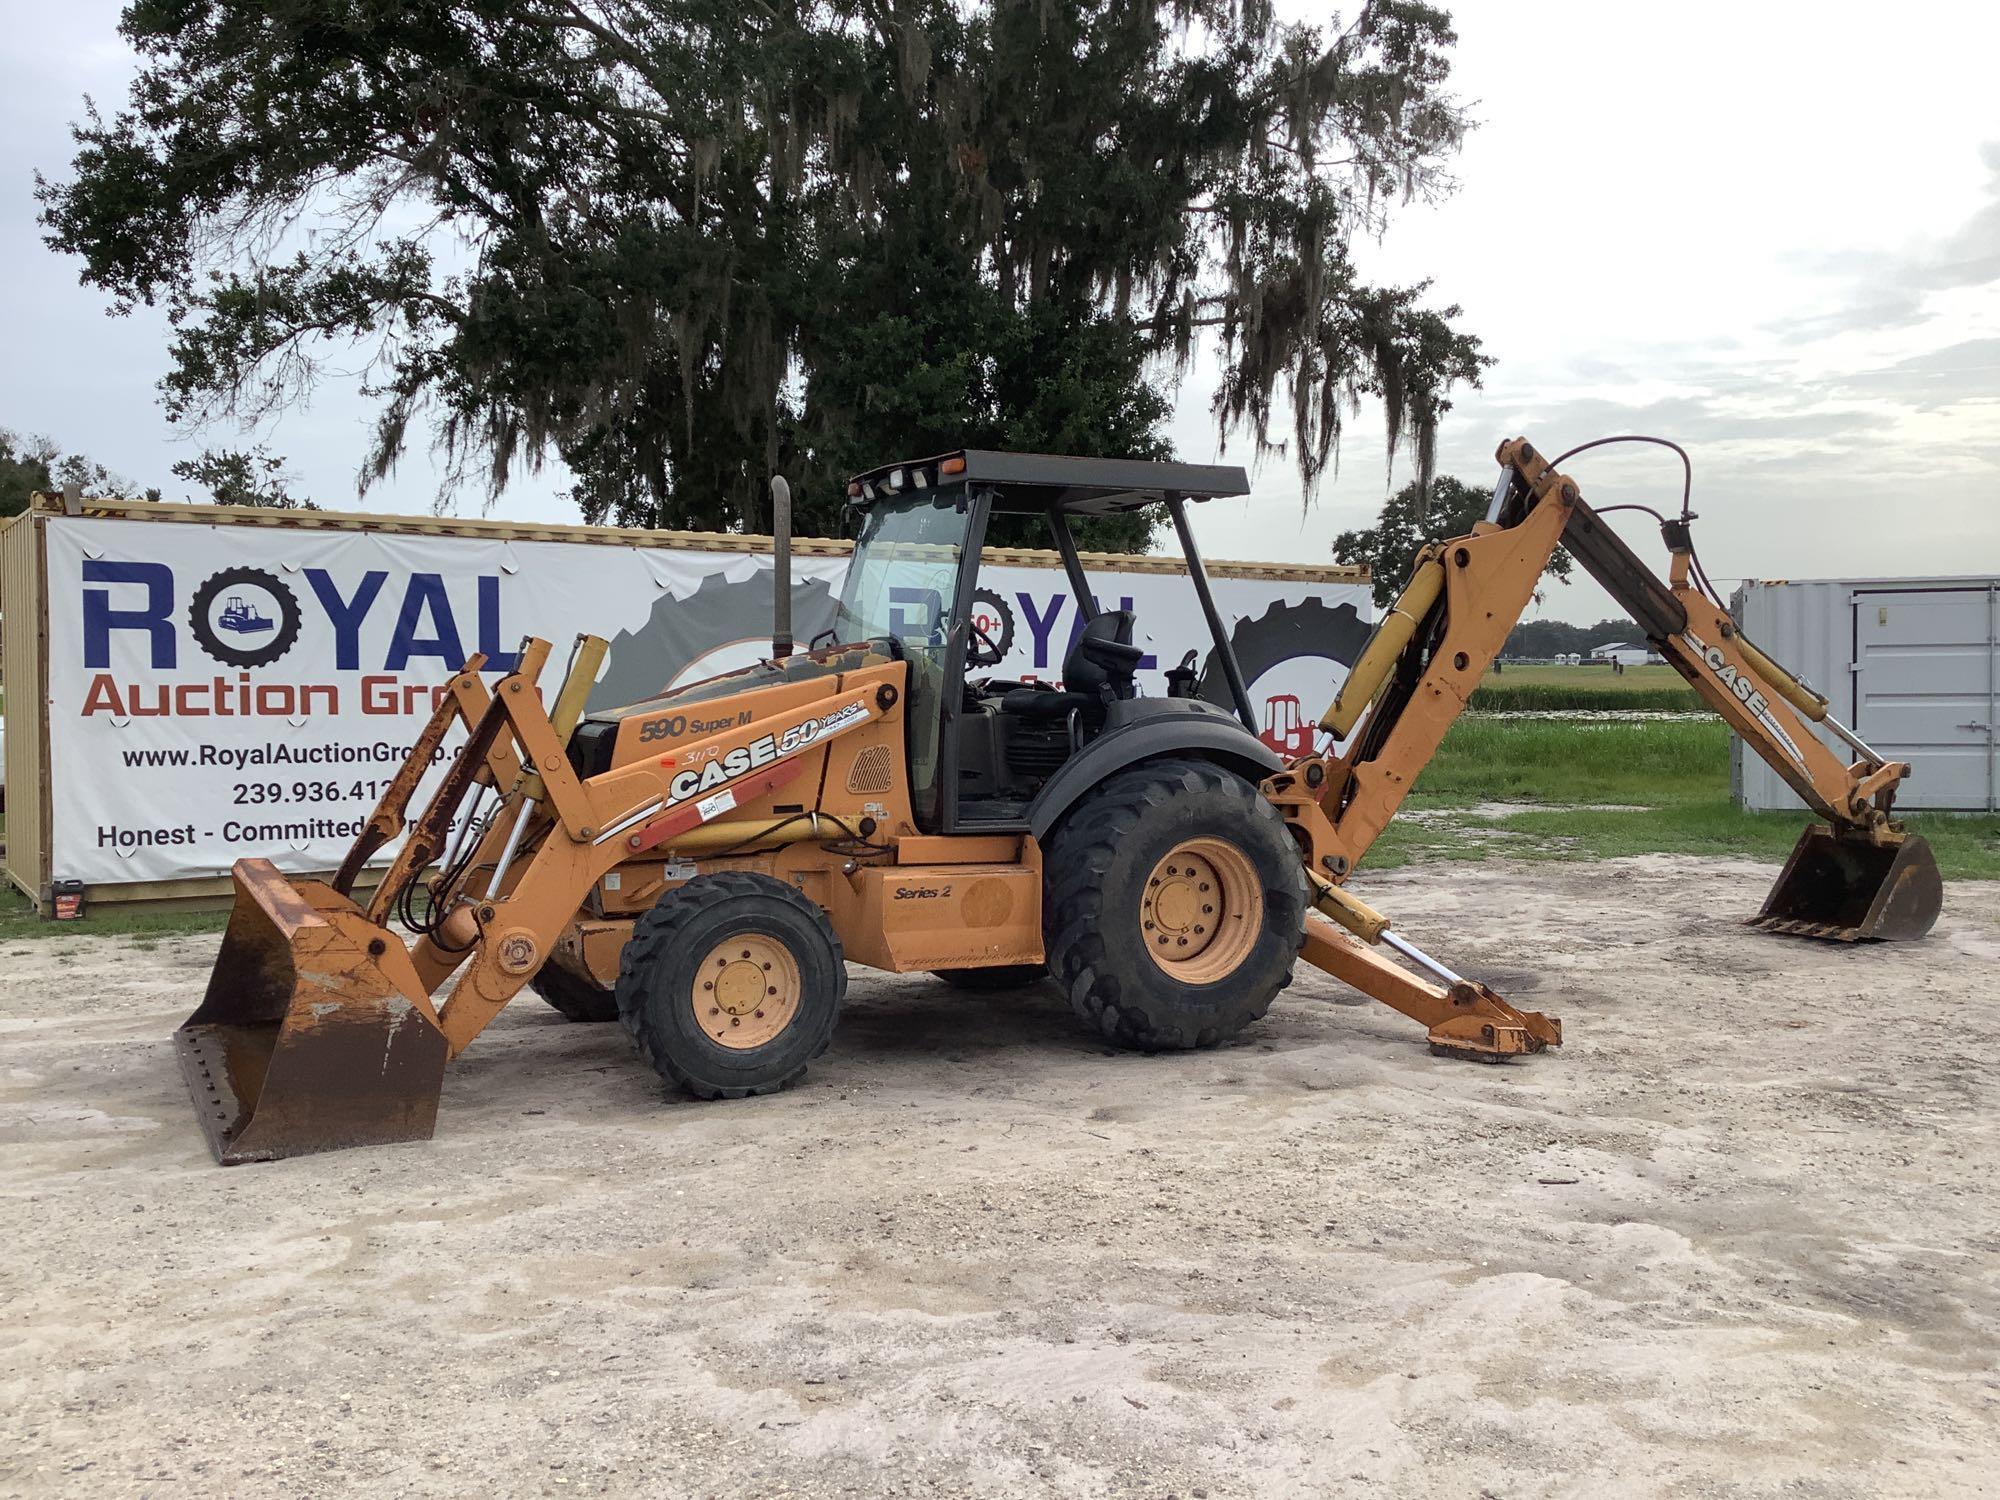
1768	231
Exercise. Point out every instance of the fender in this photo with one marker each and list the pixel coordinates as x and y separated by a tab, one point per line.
1152	727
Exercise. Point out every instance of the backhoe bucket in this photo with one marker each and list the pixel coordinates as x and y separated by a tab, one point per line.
316	1033
1849	889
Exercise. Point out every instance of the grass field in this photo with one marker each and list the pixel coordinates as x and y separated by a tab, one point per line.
18	920
1596	791
1595	688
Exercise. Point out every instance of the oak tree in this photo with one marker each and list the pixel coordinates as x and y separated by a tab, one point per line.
678	244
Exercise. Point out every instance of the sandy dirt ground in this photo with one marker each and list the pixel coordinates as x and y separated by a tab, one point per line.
1740	1237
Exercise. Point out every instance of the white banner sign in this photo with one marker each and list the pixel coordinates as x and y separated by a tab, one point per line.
217	692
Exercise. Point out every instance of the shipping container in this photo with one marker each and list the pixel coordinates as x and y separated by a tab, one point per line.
1912	665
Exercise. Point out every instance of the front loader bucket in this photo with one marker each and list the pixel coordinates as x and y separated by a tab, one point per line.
1848	889
315	1033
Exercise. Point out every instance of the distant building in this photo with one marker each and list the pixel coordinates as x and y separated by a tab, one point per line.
1624	653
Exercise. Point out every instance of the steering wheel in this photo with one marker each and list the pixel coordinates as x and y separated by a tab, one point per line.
984	651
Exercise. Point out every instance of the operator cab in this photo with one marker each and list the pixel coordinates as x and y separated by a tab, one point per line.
982	748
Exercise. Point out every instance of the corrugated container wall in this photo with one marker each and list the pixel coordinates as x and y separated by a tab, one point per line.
21	679
1911	664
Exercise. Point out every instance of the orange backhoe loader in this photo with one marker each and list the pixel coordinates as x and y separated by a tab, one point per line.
702	865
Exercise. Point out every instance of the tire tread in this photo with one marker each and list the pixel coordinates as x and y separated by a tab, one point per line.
655	935
1084	850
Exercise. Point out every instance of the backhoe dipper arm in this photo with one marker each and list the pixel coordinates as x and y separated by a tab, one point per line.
1756	697
1859	876
1434	646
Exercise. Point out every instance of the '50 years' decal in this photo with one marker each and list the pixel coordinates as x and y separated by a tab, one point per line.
761	752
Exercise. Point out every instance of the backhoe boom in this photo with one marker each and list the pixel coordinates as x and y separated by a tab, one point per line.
1860	875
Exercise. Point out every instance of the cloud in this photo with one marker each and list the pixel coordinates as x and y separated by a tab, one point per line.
1883	291
1956	374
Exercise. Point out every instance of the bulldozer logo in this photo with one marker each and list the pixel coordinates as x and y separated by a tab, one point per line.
1745	690
244	617
760	752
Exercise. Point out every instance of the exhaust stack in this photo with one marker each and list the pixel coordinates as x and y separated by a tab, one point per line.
781	568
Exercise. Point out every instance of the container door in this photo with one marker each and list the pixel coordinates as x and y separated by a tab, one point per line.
1926	686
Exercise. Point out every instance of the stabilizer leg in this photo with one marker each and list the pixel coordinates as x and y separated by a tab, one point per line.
1464	1019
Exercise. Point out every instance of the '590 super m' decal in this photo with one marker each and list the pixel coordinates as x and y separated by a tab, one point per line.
1744	689
760	752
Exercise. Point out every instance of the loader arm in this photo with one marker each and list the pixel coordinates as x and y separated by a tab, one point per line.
318	1028
1859	876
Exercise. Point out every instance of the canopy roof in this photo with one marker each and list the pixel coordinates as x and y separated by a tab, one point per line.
1030	483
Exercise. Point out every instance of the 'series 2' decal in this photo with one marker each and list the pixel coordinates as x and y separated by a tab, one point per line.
921	893
1745	690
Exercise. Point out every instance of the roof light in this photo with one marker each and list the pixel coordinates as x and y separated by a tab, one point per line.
853	488
895	480
952	466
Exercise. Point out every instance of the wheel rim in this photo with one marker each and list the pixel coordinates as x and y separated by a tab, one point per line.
746	991
1201	910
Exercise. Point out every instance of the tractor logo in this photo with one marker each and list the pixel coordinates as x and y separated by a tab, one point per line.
244	617
1293	654
1284	730
992	630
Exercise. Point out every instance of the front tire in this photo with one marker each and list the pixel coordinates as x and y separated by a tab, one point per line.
1176	906
731	984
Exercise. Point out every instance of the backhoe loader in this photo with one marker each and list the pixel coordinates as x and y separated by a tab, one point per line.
703	864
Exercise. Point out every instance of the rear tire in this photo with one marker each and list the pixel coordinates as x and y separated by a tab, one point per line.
578	998
731	984
999	977
1175	906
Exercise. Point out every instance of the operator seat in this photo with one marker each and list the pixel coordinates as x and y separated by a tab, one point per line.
1101	668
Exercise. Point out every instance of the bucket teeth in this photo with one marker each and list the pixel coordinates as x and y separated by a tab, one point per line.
1792	927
